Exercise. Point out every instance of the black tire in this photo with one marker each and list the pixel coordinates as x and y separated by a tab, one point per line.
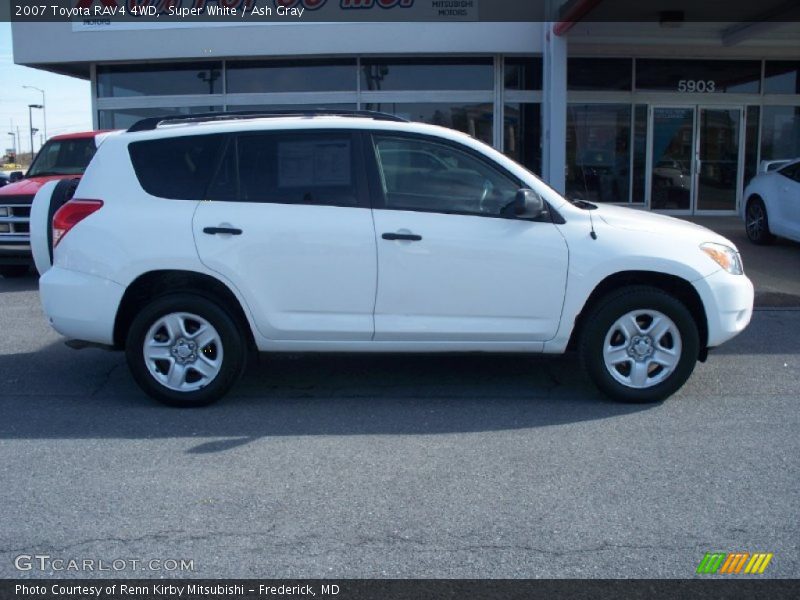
234	349
757	222
14	271
599	322
62	194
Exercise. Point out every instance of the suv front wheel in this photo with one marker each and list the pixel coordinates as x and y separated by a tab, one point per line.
184	350
640	344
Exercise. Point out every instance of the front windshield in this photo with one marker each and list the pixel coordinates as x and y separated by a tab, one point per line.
63	157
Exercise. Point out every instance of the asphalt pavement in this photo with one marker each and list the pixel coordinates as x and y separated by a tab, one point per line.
395	466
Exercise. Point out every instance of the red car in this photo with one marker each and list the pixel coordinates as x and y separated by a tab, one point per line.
62	157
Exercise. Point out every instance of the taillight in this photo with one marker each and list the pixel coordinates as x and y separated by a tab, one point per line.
70	214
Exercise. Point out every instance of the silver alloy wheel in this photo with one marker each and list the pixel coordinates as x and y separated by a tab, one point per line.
642	348
755	220
183	352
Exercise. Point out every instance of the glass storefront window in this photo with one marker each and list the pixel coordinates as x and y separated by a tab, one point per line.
474	119
378	74
598	152
523	73
780	132
751	143
268	107
639	153
261	77
523	135
782	77
155	79
702	76
600	74
124	118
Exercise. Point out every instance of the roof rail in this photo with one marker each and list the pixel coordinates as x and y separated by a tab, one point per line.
151	123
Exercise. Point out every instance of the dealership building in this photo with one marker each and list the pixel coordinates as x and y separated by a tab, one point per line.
668	114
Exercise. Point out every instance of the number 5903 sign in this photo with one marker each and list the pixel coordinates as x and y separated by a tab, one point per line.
697	85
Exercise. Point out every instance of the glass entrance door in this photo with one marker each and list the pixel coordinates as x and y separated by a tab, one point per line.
718	159
695	159
672	158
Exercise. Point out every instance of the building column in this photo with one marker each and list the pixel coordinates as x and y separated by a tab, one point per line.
554	108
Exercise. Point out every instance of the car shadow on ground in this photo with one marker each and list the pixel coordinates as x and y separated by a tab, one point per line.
27	283
58	393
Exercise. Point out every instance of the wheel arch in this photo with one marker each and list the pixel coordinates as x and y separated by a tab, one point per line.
752	198
154	284
676	286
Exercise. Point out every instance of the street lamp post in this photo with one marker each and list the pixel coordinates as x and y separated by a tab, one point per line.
30	123
44	106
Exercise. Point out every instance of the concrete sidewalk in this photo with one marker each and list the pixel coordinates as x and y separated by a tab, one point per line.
774	269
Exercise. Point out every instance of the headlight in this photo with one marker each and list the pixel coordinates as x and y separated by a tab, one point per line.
725	256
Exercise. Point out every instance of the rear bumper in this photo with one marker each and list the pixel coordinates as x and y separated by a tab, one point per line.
79	305
728	301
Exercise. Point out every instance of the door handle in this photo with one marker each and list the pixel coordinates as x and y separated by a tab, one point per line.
406	237
226	230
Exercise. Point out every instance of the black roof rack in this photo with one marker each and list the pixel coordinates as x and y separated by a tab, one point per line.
151	123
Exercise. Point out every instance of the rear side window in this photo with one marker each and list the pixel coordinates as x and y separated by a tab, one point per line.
792	172
179	168
315	168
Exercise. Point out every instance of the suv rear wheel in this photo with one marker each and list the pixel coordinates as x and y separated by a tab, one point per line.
184	350
640	344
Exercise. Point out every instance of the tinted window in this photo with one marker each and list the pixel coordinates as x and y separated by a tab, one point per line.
427	74
792	171
523	73
474	119
598	151
523	135
782	77
751	144
159	79
124	118
298	168
429	176
178	168
225	184
780	132
63	157
285	76
599	74
705	76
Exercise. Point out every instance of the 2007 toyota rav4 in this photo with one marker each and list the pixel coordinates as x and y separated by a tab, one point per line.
192	243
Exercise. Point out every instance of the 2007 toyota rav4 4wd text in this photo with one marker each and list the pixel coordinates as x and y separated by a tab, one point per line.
193	242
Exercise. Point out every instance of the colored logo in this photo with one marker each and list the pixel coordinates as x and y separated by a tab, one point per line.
734	563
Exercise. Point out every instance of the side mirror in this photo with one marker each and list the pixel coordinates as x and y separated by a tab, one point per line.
528	204
15	176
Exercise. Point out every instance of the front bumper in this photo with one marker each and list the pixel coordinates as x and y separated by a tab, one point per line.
15	254
79	305
728	301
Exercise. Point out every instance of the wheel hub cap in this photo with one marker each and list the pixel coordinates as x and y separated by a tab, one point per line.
184	351
640	347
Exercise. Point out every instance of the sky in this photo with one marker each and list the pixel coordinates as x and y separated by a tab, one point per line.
67	99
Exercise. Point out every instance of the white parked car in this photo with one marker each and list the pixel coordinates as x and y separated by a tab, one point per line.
772	202
193	242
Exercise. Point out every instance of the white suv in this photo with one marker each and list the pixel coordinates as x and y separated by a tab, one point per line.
194	242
